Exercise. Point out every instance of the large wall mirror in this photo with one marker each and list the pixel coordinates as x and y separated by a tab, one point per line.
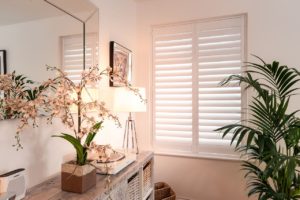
36	33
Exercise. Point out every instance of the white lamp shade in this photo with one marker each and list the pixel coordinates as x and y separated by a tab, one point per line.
125	100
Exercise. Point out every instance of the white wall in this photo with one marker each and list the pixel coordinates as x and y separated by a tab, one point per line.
273	33
117	23
41	156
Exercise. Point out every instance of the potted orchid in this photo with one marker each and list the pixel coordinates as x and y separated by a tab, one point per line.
59	97
79	175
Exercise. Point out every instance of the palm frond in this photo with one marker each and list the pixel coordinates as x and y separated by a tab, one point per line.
271	138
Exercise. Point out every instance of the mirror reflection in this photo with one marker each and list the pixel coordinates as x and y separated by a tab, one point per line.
36	33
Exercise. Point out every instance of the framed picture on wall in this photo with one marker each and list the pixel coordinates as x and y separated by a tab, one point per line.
121	64
3	62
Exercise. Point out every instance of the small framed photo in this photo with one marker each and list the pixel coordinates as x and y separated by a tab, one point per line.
121	64
3	69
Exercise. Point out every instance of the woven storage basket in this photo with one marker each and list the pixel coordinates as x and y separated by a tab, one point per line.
147	177
133	189
164	192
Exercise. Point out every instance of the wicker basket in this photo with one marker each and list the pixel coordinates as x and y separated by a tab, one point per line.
164	192
147	177
133	191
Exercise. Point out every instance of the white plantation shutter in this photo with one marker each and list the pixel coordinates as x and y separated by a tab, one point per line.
173	53
220	53
189	63
72	54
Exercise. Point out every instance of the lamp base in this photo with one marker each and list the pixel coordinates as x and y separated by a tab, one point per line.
130	136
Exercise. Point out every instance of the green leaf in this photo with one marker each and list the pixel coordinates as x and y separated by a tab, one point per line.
272	133
81	157
90	137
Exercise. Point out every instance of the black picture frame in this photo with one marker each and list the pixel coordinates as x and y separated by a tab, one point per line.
121	63
3	64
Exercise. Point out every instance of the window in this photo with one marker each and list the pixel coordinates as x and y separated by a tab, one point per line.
72	54
189	62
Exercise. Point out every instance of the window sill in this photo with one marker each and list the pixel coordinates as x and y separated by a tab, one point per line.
199	156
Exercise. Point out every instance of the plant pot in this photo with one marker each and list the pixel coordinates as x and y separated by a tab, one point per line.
76	178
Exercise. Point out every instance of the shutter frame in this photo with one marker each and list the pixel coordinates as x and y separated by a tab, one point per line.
221	55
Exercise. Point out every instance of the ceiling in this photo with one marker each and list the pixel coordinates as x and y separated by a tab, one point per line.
18	11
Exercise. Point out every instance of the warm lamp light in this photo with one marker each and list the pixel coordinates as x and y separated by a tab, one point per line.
89	94
125	100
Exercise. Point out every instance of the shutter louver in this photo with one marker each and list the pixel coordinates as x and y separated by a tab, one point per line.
173	93
189	62
72	49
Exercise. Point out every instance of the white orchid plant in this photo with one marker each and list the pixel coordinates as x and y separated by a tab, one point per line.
56	97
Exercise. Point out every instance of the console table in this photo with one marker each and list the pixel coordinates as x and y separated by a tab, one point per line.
135	182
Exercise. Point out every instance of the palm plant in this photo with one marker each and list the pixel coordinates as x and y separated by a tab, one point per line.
269	138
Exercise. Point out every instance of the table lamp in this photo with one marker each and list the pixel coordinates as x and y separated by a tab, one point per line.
125	100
